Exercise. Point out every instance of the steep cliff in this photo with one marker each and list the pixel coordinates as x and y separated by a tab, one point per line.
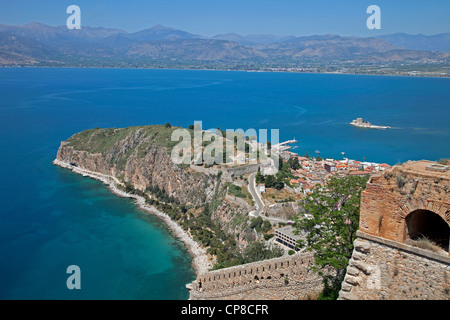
139	156
138	159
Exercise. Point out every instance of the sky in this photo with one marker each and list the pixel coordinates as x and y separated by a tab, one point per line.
211	17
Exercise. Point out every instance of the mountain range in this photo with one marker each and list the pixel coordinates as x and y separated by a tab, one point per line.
40	44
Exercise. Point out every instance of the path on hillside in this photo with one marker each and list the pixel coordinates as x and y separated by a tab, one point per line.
255	195
259	203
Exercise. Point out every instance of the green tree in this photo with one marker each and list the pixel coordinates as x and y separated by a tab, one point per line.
279	184
168	125
280	163
274	182
266	226
270	181
259	178
257	251
256	223
246	146
294	163
331	219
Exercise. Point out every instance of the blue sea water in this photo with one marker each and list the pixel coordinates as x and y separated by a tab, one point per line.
51	218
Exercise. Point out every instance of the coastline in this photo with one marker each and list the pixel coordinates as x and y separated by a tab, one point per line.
431	76
200	261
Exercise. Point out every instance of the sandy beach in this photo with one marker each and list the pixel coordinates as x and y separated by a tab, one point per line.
200	261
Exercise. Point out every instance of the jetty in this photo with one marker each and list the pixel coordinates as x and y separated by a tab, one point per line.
283	146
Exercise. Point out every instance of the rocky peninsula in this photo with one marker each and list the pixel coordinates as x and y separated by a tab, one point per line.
135	162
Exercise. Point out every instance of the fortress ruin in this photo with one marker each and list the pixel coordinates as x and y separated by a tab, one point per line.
285	278
402	250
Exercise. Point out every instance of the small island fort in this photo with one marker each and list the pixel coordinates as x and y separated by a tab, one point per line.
360	123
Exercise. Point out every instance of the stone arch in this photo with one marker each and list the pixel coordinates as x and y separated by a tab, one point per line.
425	223
433	206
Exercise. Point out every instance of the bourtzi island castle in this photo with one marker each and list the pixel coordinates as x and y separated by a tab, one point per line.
400	209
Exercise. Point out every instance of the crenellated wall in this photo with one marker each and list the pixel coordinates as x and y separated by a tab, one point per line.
288	277
242	170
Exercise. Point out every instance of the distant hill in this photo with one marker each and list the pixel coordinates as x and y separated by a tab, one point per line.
40	44
191	49
253	39
438	42
52	35
160	32
15	50
328	47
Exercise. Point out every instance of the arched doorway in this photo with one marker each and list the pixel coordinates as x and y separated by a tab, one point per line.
427	224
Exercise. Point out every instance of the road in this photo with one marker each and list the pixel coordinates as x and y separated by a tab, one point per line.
255	195
254	191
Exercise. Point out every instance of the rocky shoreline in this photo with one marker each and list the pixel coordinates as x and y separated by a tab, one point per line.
200	261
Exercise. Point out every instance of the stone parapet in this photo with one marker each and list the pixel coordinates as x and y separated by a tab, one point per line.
382	269
287	277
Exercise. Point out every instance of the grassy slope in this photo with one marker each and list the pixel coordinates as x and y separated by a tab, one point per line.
102	140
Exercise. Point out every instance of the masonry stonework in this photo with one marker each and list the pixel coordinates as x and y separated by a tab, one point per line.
397	209
285	278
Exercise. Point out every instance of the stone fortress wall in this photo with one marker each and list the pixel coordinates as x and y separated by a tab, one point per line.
284	278
398	207
385	270
389	260
243	170
231	173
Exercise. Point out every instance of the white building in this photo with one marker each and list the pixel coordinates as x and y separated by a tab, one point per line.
286	236
262	187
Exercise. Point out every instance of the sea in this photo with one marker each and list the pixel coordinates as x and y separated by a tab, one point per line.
51	218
